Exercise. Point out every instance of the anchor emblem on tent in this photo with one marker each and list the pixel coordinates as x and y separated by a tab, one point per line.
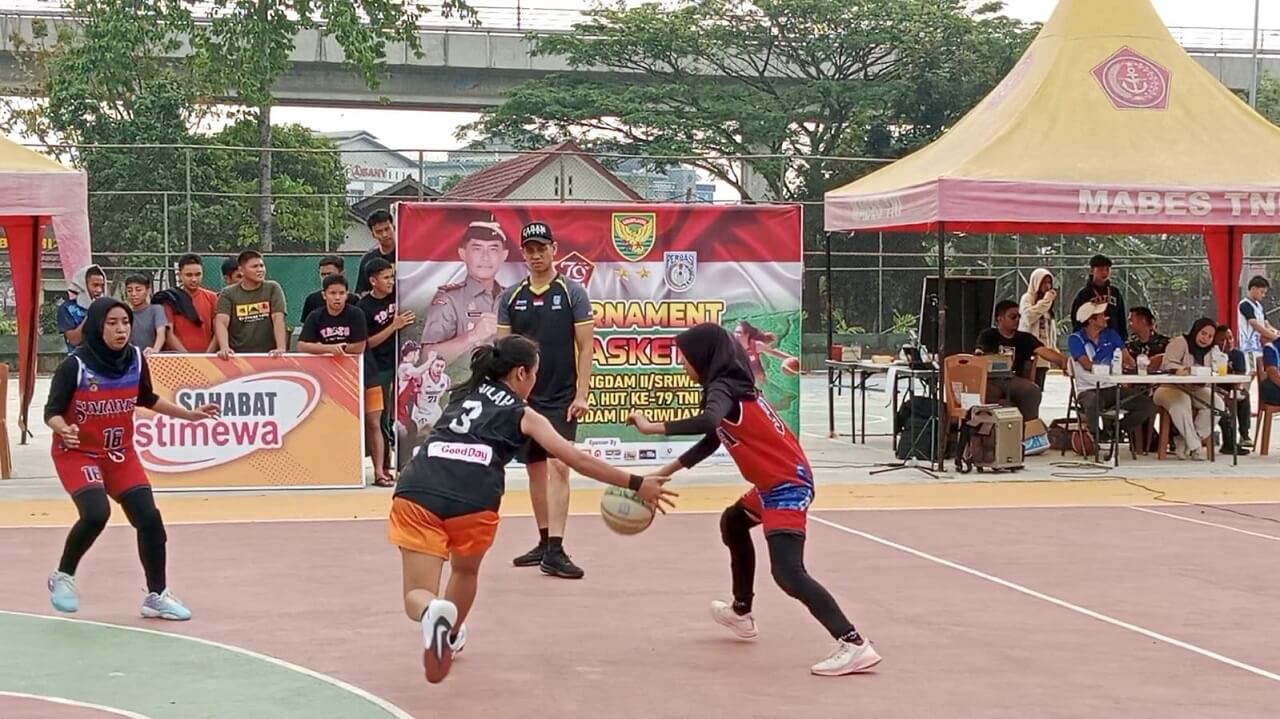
1133	82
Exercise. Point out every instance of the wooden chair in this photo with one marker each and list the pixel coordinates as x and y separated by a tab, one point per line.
6	459
1265	414
1166	423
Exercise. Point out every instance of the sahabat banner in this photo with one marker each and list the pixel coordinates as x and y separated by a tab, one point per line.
287	423
651	271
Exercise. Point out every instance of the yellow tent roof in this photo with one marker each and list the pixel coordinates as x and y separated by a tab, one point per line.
1105	121
15	157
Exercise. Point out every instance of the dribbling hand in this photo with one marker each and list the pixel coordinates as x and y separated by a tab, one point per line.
70	436
654	494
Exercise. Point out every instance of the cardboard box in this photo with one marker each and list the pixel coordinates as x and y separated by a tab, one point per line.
1034	428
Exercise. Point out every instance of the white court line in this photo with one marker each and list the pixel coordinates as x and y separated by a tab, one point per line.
374	699
1055	601
528	515
73	703
1180	518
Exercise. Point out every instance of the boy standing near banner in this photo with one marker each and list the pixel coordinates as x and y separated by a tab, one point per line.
555	312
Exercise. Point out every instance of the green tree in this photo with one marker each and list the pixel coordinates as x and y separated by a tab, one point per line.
783	83
246	45
104	85
1269	97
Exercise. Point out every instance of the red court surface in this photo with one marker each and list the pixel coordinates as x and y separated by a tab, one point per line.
1088	612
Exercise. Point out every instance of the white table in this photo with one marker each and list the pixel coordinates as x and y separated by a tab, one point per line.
1105	381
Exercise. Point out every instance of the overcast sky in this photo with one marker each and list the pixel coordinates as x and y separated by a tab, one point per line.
431	130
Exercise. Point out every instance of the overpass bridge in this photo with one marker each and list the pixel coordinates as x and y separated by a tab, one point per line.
470	68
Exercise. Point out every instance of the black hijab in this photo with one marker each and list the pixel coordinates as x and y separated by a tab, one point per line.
719	360
1198	352
93	349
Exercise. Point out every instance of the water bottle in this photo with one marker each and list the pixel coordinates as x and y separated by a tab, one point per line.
1143	363
1117	362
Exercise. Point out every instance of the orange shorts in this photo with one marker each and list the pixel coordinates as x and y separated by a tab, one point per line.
414	528
373	400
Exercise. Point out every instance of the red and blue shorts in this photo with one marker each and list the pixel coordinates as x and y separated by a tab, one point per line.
783	508
115	472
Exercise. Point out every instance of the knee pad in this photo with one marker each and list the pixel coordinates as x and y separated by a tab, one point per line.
735	525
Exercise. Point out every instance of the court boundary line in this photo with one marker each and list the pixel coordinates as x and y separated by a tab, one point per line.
1193	520
529	515
383	704
127	714
1061	603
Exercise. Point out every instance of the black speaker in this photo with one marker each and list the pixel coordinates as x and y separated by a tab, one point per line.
970	306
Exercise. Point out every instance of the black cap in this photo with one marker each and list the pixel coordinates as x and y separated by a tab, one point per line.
1099	261
536	232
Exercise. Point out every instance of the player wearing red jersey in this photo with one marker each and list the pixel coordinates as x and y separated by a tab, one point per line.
770	458
90	410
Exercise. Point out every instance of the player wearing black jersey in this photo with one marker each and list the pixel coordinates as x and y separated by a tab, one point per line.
446	500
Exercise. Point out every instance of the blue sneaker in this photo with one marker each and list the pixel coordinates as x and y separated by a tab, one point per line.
165	606
63	593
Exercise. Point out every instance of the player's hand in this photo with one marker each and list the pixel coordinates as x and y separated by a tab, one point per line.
577	409
208	411
70	436
642	423
655	495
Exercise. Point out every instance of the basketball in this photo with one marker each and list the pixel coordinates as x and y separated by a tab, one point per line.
624	512
791	365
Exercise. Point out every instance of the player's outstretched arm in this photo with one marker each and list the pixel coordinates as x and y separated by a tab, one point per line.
649	488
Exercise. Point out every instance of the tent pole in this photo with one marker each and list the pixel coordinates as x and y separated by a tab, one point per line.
940	349
831	340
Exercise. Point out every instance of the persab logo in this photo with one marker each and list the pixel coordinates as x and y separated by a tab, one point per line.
257	412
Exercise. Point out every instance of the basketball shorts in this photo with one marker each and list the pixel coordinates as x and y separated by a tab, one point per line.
117	473
532	451
784	508
418	529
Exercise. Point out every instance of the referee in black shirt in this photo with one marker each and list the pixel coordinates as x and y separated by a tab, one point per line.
555	312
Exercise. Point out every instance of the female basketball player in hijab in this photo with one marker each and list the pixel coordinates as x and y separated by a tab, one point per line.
770	458
90	410
445	506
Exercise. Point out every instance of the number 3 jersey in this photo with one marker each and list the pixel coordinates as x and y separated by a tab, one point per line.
101	406
464	458
766	451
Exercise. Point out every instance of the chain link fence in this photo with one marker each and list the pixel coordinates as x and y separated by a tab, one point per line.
151	204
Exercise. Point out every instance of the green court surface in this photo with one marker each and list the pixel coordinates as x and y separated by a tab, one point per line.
167	676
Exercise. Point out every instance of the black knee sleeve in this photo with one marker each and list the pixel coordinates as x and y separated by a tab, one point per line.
735	525
789	573
94	509
140	507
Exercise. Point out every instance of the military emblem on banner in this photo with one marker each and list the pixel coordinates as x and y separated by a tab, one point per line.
634	234
679	270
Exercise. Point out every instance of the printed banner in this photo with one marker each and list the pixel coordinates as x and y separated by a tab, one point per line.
650	271
290	422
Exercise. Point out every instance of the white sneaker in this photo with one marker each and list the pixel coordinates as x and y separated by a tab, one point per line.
847	658
460	640
1180	447
744	625
437	652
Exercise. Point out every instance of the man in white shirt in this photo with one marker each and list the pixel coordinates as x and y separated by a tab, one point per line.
1255	330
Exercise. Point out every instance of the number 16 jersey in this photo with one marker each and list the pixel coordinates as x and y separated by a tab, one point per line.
464	458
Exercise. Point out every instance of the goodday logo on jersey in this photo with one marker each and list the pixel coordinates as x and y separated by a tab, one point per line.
258	411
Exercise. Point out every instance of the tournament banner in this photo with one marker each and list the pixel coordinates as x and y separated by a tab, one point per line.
289	422
651	271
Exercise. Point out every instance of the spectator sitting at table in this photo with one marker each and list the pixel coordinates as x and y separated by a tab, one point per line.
1145	339
1026	348
1236	364
1192	419
1096	344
